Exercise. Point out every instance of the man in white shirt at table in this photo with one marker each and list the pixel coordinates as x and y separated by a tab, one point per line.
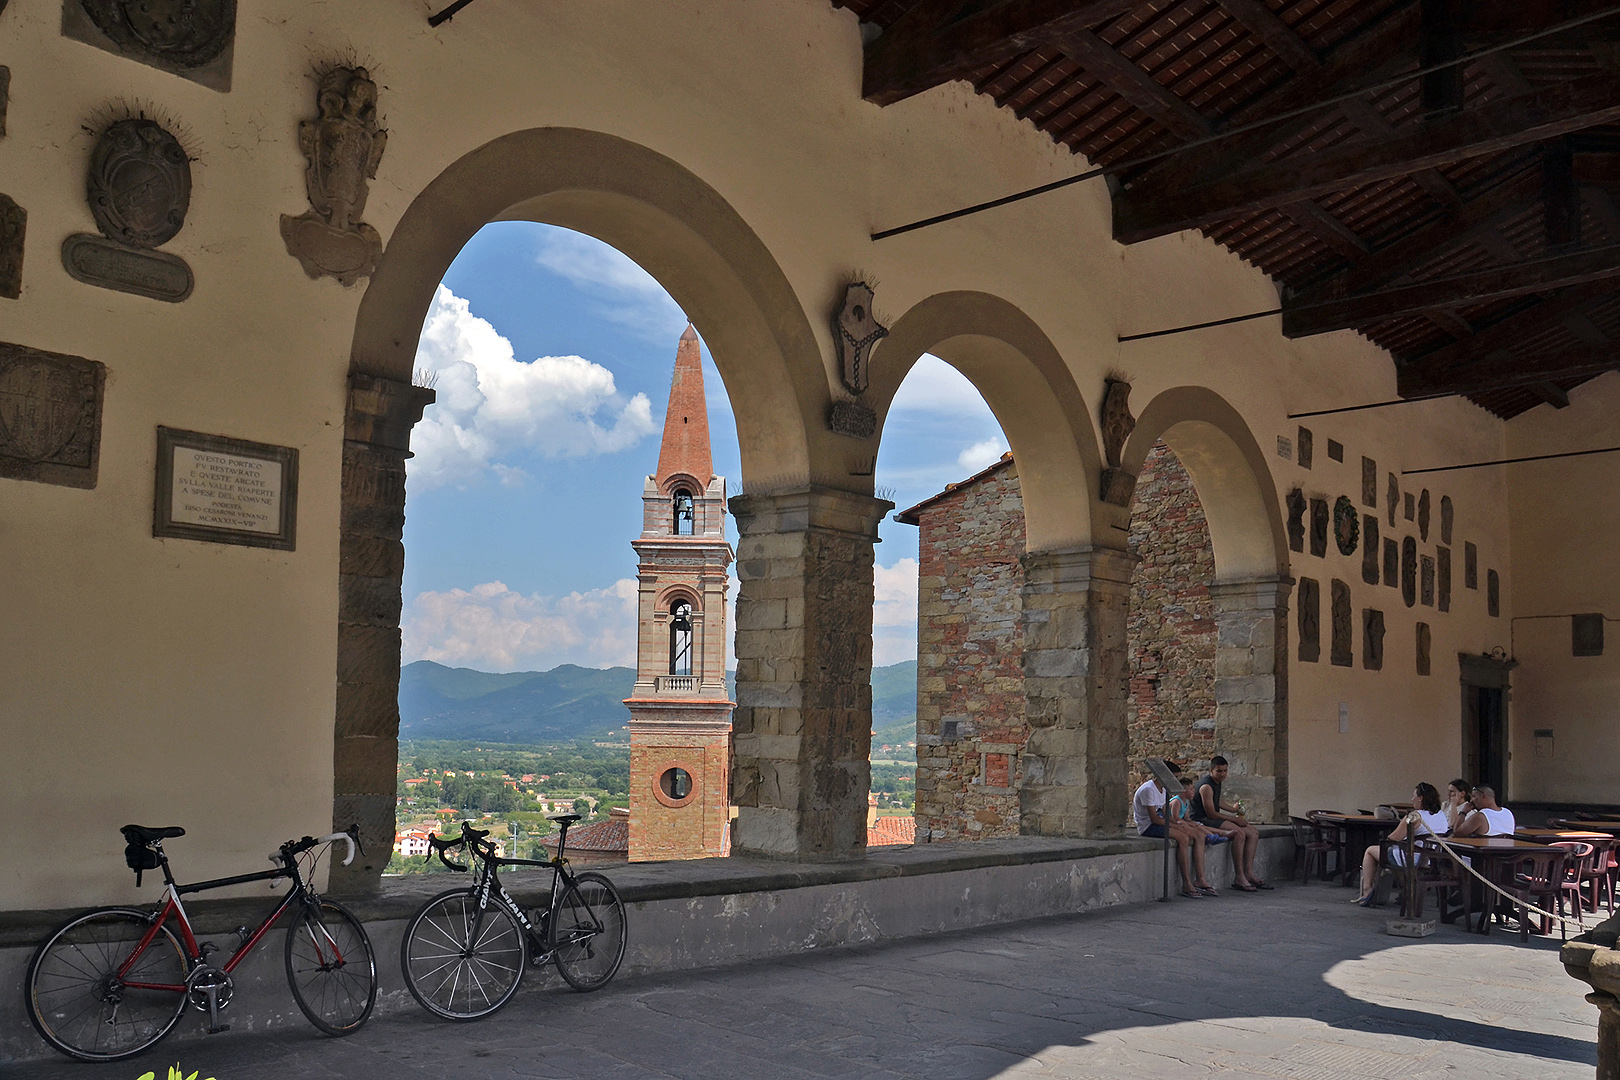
1488	819
1148	811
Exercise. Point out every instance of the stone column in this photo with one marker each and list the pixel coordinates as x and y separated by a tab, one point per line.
1075	685
802	731
1594	959
1251	692
371	560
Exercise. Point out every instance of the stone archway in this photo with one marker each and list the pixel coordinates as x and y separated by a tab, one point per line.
1249	593
677	228
1075	575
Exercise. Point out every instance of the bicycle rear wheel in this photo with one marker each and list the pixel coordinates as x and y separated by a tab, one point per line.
82	1006
587	932
461	963
330	967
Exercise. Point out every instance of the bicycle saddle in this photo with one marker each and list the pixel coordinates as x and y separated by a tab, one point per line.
564	819
145	834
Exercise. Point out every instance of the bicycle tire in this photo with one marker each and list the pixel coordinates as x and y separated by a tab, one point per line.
587	934
331	967
71	984
482	975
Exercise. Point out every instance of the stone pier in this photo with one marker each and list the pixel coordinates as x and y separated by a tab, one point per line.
365	755
1251	691
802	731
1594	959
1075	681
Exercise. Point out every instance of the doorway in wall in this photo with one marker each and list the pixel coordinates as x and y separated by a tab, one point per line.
1484	722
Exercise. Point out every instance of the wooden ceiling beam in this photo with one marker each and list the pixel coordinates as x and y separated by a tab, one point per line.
1504	370
1550	393
1543	114
1279	37
1125	78
934	42
1460	290
1505	335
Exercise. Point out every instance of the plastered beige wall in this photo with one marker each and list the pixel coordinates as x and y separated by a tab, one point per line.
166	681
1566	518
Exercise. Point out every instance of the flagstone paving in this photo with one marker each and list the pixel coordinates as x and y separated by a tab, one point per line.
1296	984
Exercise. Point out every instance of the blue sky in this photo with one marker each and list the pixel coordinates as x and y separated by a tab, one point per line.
551	354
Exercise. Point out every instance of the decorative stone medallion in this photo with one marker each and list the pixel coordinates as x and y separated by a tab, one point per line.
189	38
13	226
50	416
342	148
139	189
856	330
140	184
1346	525
851	418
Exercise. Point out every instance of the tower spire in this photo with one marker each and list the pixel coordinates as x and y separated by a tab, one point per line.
686	424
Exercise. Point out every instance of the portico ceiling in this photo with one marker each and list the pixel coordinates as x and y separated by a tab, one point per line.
1467	220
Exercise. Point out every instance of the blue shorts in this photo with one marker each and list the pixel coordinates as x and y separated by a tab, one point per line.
1155	831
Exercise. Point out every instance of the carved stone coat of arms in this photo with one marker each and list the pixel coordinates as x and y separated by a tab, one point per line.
342	146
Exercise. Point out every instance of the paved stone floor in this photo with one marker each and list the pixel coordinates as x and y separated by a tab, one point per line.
1295	984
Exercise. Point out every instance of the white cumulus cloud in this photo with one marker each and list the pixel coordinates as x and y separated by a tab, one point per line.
934	386
625	293
493	628
894	613
982	455
492	407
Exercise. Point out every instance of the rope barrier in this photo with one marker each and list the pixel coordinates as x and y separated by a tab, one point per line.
1463	861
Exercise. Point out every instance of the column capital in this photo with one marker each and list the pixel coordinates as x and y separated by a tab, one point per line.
1252	594
383	411
1078	569
809	507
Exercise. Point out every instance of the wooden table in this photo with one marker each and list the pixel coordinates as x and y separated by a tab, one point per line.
1492	853
1553	836
1361	831
1610	827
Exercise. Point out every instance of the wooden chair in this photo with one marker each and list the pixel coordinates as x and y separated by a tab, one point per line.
1579	870
1310	845
1538	879
1437	871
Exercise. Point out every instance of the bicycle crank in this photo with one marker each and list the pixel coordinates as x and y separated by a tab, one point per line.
210	991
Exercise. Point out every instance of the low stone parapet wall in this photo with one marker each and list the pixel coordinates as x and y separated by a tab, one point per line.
704	913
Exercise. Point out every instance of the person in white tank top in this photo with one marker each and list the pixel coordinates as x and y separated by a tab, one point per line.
1488	819
1431	822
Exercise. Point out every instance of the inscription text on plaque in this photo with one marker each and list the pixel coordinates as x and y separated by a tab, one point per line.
225	490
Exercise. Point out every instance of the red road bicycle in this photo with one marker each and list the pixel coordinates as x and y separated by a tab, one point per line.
112	982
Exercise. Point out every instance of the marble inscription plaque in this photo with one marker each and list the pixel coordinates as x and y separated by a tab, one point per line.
156	275
50	416
226	491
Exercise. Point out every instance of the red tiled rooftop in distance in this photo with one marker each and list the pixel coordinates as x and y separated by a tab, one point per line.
610	835
686	425
891	831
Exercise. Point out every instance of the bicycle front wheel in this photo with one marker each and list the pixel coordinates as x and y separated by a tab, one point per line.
330	967
587	932
86	1003
461	963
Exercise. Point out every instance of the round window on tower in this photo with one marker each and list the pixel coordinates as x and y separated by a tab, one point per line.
675	787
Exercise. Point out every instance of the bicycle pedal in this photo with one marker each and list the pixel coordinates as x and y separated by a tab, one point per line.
220	1028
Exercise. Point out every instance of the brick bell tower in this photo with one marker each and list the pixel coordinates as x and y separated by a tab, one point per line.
680	715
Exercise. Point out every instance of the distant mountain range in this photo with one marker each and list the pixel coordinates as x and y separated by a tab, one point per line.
570	702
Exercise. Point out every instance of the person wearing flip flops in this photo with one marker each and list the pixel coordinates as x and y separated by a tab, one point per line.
1228	820
1147	810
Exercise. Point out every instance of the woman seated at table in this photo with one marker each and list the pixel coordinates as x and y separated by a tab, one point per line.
1457	804
1487	818
1431	822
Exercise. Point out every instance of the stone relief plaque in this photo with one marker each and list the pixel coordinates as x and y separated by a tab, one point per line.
225	491
5	91
50	416
1369	549
1470	565
855	330
1426	581
342	148
1372	639
1342	654
1319	527
1447	518
851	418
1423	648
1346	525
139	189
1303	442
1369	482
1493	594
1392	563
1393	497
1442	571
1296	520
1409	571
191	38
1310	620
1423	516
13	226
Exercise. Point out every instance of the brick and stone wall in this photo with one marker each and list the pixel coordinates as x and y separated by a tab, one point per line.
1171	625
970	685
972	727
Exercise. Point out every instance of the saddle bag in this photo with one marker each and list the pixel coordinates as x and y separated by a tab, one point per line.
139	857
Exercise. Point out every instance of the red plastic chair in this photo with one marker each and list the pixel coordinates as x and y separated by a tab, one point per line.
1579	870
1538	879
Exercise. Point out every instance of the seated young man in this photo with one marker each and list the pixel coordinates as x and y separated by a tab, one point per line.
1488	818
1227	819
1148	811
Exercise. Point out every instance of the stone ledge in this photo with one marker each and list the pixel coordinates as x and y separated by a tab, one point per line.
640	883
